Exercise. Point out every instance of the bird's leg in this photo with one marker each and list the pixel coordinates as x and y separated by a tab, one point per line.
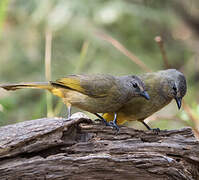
104	120
68	105
69	111
111	123
114	122
148	127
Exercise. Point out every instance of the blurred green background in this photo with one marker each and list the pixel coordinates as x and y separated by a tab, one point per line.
77	47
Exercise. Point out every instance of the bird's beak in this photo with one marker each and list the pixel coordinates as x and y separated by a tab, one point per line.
145	95
179	102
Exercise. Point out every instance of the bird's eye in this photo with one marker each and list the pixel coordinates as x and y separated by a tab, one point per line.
135	85
174	88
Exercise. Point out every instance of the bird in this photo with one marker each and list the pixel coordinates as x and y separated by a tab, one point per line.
98	93
162	86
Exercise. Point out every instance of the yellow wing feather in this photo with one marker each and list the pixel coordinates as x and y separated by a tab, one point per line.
70	83
94	86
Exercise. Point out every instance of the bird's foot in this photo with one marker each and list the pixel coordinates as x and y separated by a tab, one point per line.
155	130
98	120
114	125
68	116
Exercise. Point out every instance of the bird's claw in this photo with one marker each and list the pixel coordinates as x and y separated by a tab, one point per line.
114	125
156	130
98	120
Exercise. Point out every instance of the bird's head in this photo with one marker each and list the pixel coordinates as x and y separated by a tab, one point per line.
138	87
177	86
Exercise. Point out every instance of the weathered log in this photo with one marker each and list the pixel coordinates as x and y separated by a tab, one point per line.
57	148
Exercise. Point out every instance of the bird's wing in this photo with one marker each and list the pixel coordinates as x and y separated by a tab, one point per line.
92	85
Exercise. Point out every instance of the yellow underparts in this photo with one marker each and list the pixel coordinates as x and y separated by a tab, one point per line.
121	119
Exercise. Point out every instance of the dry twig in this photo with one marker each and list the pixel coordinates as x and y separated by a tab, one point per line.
160	43
123	50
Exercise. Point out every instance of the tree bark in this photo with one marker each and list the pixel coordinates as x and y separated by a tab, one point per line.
57	148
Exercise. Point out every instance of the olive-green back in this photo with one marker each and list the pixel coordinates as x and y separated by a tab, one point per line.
92	85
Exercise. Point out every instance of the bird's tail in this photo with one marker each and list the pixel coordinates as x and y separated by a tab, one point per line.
37	85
